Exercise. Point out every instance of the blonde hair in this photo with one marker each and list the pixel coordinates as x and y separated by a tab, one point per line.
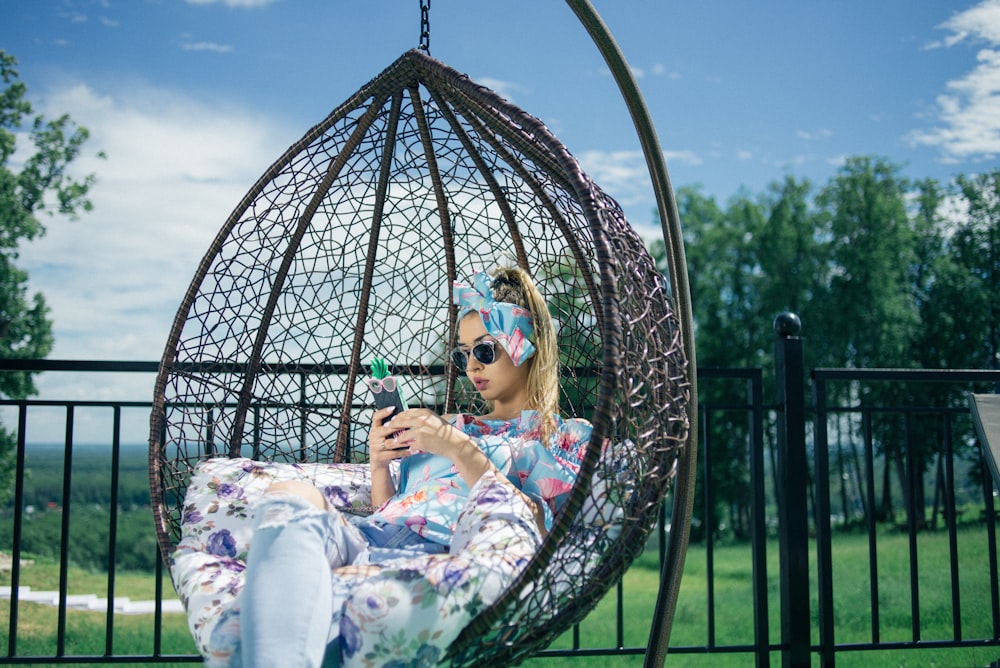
514	285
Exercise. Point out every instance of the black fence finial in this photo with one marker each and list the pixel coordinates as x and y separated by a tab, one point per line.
787	324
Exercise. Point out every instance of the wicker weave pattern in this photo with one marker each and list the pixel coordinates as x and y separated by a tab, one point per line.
346	248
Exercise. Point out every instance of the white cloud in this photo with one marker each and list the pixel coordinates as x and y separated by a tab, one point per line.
504	89
660	70
980	22
237	4
969	112
616	171
812	136
624	176
175	170
684	157
206	46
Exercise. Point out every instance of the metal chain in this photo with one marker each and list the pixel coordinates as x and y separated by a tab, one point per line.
425	26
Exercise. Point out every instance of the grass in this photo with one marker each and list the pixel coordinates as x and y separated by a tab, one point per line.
86	632
734	596
732	613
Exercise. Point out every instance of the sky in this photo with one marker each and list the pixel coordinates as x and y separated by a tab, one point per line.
192	100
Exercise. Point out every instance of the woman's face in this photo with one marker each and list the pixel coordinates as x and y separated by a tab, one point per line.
500	382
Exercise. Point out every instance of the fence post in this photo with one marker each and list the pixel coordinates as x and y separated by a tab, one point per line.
793	474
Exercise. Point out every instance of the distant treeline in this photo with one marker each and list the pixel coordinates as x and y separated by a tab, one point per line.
89	499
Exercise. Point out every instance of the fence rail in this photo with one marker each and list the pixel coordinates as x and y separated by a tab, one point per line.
812	467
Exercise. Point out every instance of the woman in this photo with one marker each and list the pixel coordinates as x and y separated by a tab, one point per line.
474	497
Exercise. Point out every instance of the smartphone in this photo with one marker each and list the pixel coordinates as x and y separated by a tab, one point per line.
386	393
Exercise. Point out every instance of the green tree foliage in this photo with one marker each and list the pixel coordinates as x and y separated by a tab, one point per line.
880	276
976	247
747	262
31	184
869	309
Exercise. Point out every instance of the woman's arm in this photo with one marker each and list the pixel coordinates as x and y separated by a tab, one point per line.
425	431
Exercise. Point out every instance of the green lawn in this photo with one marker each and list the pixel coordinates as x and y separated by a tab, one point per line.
733	608
733	611
86	631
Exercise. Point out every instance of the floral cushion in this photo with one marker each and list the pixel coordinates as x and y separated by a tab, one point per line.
429	599
208	562
222	491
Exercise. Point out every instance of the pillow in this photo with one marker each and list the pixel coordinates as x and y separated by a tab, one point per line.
222	492
208	562
424	601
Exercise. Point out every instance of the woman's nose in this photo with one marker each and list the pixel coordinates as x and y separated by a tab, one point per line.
473	363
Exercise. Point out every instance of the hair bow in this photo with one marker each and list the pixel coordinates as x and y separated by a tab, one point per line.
510	324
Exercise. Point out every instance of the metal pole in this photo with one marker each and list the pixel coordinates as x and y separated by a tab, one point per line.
758	526
683	494
793	475
821	504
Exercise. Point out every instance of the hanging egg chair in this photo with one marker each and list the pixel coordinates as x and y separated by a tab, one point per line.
345	250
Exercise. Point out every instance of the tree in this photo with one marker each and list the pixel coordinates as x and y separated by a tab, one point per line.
884	272
938	284
795	265
864	215
39	184
976	245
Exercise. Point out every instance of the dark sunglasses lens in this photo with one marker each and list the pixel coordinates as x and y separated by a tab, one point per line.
484	352
459	358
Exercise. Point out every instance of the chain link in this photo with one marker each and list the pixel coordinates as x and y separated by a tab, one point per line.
425	26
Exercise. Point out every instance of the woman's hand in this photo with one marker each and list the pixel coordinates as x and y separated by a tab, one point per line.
380	456
382	450
421	430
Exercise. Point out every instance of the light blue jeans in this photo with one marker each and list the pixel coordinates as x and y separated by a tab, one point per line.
287	606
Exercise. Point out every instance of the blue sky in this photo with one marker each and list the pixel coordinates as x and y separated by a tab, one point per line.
192	100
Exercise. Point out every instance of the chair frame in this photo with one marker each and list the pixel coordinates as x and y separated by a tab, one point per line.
544	150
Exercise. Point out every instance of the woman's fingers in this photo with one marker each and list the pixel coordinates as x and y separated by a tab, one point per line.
382	414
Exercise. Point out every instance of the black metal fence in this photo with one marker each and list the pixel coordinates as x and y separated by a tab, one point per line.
842	457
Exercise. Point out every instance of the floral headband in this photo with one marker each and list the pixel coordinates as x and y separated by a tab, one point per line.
510	324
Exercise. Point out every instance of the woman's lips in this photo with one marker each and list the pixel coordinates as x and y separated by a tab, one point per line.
480	383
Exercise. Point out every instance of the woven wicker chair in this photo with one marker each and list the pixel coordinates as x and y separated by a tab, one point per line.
345	250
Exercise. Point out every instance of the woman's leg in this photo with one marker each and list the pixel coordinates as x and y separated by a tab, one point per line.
287	603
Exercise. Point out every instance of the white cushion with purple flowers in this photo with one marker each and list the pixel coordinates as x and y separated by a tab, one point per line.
217	525
392	611
223	490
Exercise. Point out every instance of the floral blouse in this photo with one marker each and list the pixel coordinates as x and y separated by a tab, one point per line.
430	492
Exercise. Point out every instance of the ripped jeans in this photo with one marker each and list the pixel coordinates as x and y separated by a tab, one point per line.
318	593
286	612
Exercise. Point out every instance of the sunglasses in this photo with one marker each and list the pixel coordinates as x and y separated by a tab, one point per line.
387	384
484	351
